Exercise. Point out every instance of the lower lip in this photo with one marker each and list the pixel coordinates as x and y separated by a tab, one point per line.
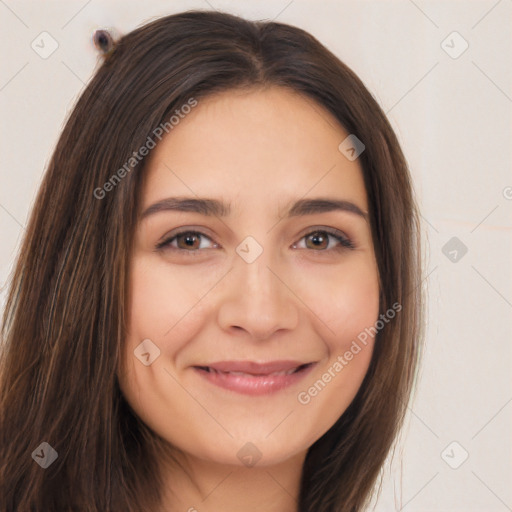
254	385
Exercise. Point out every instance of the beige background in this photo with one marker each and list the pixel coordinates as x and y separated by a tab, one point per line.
452	114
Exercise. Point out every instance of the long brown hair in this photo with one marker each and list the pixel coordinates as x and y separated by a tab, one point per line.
65	318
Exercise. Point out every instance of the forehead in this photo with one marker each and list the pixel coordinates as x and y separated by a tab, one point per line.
255	147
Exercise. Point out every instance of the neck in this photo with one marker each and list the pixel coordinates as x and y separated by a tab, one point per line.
205	486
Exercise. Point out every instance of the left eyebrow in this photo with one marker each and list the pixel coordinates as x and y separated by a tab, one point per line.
321	205
216	208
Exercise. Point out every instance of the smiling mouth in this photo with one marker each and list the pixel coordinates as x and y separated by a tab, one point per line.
255	380
255	374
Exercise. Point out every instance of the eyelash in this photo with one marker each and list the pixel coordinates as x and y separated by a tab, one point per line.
344	242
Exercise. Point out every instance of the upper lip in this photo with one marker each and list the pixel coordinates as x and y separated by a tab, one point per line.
253	367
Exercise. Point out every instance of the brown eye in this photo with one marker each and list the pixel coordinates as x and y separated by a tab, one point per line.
324	240
317	240
188	241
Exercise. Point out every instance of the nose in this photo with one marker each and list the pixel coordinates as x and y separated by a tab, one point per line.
257	299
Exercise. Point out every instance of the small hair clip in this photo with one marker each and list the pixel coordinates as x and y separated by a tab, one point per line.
103	40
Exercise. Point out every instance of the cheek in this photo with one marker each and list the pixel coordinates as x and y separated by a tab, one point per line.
346	306
170	306
165	306
354	308
161	300
159	309
345	301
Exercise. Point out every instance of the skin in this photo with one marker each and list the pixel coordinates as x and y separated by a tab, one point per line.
259	150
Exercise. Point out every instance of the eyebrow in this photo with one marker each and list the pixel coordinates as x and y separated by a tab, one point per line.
216	208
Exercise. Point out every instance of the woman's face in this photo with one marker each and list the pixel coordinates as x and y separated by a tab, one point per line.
266	280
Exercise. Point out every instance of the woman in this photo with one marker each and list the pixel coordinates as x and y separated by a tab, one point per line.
217	303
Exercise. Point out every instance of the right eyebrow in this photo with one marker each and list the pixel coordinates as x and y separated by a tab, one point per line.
203	206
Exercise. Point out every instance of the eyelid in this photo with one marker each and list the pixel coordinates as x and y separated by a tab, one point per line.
332	231
168	238
344	241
